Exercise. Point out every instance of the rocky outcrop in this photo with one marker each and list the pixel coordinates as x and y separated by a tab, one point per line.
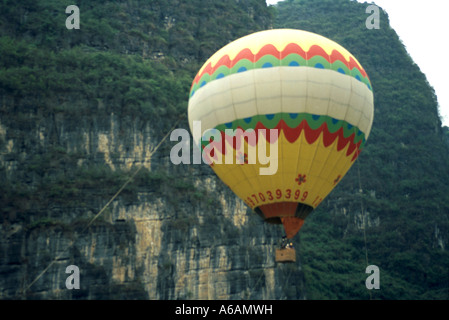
172	238
75	127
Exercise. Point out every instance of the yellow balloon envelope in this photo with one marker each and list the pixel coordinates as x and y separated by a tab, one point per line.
284	114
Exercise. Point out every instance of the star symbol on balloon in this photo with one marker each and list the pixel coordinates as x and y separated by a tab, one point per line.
301	179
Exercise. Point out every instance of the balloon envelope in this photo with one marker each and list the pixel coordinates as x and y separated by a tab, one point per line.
290	111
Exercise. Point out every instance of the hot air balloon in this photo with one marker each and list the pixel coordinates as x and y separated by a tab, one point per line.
306	89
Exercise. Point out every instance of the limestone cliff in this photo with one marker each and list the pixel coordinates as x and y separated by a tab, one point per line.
193	241
81	111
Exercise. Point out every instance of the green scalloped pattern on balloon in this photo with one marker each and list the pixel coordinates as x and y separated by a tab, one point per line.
221	72
271	61
318	62
267	61
241	66
312	126
270	121
340	67
356	74
293	60
204	80
294	120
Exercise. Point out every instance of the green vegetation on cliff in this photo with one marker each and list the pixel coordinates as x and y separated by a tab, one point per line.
398	192
135	60
132	59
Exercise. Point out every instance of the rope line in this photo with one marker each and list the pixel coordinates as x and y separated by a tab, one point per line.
152	152
289	272
262	273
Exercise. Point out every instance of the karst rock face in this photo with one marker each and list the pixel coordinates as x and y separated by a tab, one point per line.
175	232
82	110
154	242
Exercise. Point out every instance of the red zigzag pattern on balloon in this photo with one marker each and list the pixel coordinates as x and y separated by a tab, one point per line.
292	135
270	49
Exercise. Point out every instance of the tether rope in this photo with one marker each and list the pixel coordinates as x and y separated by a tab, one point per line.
153	151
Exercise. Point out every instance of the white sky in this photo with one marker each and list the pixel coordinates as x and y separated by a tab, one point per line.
423	28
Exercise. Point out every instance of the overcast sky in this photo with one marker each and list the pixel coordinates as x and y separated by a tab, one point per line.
422	27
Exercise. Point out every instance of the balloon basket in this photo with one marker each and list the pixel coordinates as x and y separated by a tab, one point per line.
286	255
